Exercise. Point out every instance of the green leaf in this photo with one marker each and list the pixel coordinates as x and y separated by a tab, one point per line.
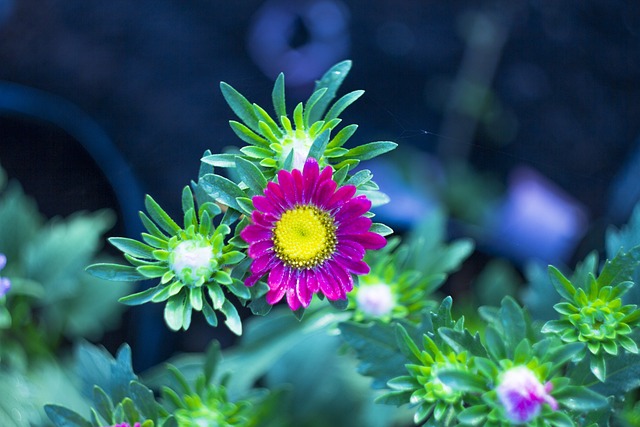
331	80
160	216
246	135
380	229
174	312
580	399
461	341
144	400
312	102
232	321
132	247
473	416
620	268
221	190
115	272
342	136
462	381
342	103
376	348
562	285
220	160
278	98
251	175
102	403
371	150
63	417
319	145
240	106
513	322
598	367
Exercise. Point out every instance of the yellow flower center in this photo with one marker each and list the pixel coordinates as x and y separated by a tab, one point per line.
304	237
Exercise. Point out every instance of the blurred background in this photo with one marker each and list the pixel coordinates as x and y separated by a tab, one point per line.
519	117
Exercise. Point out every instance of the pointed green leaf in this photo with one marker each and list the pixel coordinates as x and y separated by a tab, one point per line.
342	103
371	150
174	312
220	160
319	145
562	285
63	417
115	272
132	247
462	381
139	297
221	190
251	175
240	106
342	136
160	216
311	104
278	98
331	80
246	135
232	321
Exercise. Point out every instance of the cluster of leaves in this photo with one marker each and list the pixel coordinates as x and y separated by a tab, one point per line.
411	277
51	301
449	374
118	396
273	144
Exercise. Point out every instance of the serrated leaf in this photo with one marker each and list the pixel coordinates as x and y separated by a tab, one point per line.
376	348
144	400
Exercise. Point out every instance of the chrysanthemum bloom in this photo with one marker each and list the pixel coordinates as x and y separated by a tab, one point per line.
522	394
309	236
5	284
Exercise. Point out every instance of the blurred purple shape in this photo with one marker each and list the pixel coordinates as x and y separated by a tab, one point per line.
537	220
272	46
5	284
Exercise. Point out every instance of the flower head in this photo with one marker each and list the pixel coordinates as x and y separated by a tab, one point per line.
5	284
309	236
522	394
375	300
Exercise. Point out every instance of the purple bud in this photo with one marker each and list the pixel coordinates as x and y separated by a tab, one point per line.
522	394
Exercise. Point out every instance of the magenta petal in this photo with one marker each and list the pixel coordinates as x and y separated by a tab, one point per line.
352	265
312	281
310	178
359	225
352	209
255	233
252	280
302	288
342	195
262	203
274	194
292	299
297	186
323	192
264	220
343	278
277	276
275	295
328	285
288	188
261	248
350	249
263	263
326	174
368	240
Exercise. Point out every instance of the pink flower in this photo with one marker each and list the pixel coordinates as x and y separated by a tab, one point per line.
309	236
522	394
